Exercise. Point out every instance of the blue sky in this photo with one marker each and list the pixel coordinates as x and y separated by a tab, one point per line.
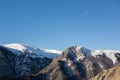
58	24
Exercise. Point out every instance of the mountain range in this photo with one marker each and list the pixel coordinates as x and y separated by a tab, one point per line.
26	62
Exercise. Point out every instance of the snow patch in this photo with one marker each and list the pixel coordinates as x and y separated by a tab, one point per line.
53	51
109	53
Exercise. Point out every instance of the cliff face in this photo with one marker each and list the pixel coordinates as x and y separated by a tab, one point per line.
111	74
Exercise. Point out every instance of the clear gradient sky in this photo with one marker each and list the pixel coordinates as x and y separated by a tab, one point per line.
58	24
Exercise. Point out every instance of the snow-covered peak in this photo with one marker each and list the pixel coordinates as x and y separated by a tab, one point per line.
77	53
80	50
84	50
79	47
22	48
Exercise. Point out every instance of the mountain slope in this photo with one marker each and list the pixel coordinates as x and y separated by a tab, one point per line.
111	74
